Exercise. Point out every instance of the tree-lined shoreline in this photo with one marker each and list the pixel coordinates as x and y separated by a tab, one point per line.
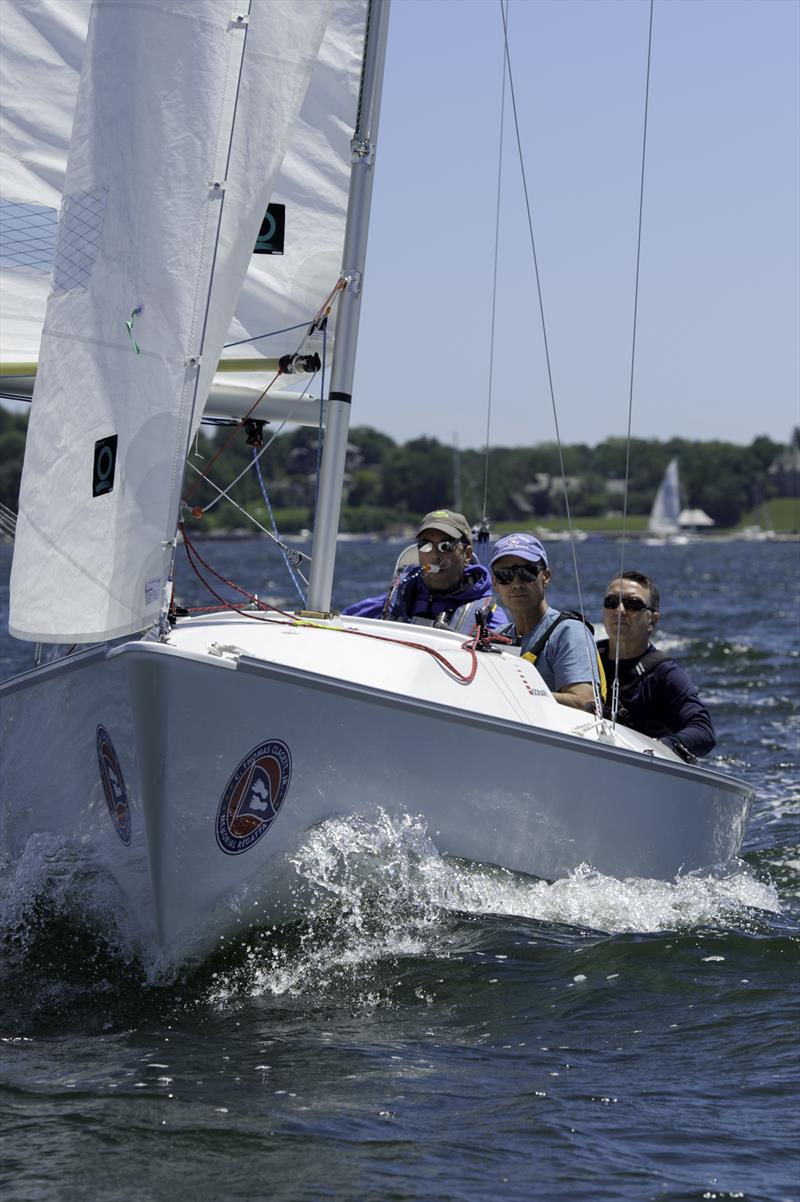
389	485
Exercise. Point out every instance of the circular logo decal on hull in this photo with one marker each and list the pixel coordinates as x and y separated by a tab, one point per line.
253	796
114	785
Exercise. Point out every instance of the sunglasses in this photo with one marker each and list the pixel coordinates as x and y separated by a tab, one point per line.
445	545
526	573
632	604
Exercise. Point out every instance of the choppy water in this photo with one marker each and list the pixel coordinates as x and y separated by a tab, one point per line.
434	1030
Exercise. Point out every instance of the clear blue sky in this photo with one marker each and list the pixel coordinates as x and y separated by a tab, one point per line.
718	352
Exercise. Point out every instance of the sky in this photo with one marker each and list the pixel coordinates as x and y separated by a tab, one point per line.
718	352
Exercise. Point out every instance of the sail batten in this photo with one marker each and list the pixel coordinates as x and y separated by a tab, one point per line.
176	149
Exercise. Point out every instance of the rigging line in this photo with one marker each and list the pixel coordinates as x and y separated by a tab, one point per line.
8	521
176	484
246	513
615	687
265	609
494	279
286	556
270	334
191	553
215	249
224	492
232	434
327	304
528	210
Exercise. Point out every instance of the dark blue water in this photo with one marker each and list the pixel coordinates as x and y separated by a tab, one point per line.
433	1030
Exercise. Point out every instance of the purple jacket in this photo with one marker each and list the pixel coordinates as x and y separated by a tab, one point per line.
410	600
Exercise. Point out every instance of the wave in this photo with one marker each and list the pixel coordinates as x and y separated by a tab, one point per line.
371	895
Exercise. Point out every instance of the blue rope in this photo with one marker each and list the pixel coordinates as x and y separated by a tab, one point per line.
290	569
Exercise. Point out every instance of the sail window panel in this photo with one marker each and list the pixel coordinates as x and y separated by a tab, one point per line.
80	236
27	236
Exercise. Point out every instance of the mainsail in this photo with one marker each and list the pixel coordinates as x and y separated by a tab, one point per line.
157	226
667	505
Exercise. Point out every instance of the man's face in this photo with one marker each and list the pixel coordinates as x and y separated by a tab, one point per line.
630	625
518	593
445	561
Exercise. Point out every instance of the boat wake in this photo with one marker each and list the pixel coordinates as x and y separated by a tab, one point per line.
380	893
376	897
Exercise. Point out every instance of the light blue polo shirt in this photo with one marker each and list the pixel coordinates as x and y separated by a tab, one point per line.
568	656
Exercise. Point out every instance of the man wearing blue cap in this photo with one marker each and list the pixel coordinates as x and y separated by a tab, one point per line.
560	644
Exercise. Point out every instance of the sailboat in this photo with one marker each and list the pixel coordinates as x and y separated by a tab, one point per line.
189	756
664	521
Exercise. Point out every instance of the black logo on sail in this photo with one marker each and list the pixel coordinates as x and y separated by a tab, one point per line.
270	236
105	463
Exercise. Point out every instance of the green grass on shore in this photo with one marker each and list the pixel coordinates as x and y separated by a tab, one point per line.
781	513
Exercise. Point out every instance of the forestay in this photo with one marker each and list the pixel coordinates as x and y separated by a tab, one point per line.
175	151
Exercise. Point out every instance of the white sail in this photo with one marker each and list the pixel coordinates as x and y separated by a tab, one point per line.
40	63
667	505
43	47
156	230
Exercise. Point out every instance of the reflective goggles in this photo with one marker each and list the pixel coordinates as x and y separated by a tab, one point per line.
526	572
445	545
632	604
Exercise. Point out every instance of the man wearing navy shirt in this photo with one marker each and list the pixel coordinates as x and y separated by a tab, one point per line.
657	697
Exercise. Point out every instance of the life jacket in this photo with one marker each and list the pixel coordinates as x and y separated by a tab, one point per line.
408	600
567	615
644	664
462	618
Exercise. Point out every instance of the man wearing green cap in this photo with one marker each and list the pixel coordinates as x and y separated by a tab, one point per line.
445	588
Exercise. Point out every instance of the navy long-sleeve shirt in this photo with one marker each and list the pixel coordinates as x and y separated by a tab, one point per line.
662	703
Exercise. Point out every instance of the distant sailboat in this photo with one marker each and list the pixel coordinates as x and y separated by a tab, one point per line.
667	505
663	523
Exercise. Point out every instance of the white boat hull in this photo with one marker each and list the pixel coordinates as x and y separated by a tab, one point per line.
293	725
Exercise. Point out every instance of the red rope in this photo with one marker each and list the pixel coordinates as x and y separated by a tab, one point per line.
202	475
323	311
192	553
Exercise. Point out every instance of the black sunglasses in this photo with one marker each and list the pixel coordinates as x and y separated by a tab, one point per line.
445	545
634	604
526	573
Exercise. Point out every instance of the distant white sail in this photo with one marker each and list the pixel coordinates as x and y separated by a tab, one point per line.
176	148
667	505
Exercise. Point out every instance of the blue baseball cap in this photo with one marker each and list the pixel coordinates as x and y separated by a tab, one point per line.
525	546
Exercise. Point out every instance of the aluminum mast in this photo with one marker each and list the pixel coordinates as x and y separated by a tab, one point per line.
337	423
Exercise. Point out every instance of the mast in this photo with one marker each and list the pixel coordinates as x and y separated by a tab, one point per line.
337	423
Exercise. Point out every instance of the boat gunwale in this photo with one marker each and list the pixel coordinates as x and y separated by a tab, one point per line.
252	665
